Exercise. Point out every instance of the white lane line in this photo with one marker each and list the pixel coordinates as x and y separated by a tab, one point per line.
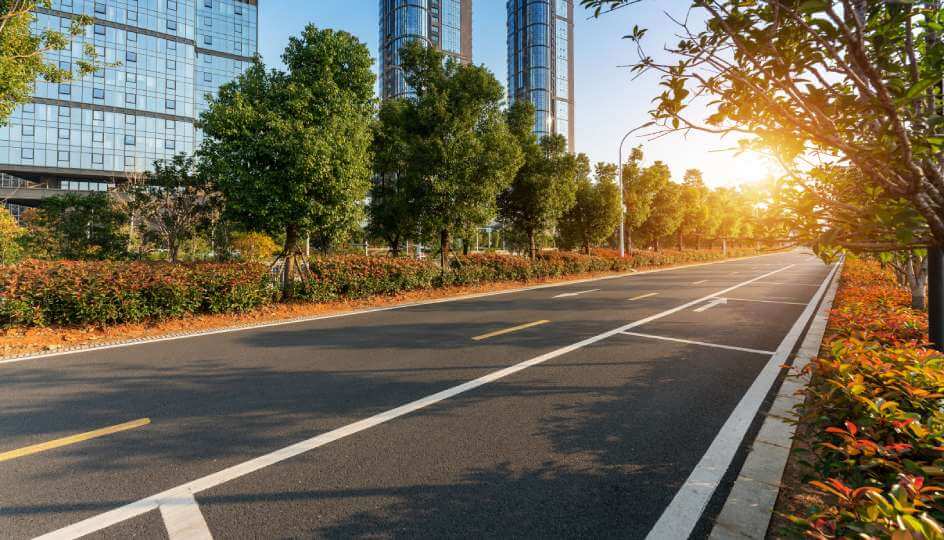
714	303
578	293
680	517
641	296
700	282
303	320
702	343
765	301
183	519
132	510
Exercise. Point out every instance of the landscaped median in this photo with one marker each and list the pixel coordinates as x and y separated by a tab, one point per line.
85	301
872	427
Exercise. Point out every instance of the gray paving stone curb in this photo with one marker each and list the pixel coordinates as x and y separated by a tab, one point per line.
750	504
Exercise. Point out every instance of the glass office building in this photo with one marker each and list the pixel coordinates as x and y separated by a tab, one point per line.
163	57
541	62
443	24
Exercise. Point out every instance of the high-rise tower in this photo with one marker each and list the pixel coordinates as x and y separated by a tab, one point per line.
443	24
541	62
162	58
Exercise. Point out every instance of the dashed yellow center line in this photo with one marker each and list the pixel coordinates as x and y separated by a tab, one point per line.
509	330
641	296
73	439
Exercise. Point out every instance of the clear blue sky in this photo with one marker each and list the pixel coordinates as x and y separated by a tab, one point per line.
608	101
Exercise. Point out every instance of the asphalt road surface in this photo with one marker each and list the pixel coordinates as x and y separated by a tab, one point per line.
605	408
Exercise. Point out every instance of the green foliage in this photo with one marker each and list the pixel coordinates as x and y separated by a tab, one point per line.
461	154
596	213
546	184
172	203
838	80
11	236
21	52
640	187
395	193
103	293
290	151
666	216
77	227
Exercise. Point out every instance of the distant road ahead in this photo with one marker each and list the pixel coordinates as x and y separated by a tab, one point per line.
568	411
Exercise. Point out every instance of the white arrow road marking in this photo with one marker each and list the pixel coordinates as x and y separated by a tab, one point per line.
714	303
567	295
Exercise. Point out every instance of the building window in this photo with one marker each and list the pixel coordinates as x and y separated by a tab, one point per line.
98	159
169	144
208	4
131	56
64	134
238	9
170	104
65	66
98	115
207	40
129	161
171	24
207	76
100	8
99	30
28	131
171	65
129	140
98	93
98	136
63	156
131	99
132	15
65	89
132	36
64	111
131	119
172	6
26	153
171	45
171	84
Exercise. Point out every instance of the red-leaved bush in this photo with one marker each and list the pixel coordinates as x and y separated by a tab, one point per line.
875	411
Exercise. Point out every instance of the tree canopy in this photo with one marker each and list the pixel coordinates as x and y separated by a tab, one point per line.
596	212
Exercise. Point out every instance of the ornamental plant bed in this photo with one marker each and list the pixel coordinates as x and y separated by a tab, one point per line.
51	305
868	461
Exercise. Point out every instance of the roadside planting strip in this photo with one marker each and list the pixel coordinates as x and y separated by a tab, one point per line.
175	503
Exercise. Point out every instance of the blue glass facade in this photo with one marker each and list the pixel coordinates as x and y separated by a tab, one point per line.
443	24
540	62
164	57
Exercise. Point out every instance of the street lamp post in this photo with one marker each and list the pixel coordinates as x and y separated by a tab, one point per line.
622	228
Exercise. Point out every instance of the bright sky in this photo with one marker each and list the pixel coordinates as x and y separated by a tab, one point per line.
608	101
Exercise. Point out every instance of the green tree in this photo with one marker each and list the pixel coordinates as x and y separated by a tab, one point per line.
666	216
290	151
462	154
394	195
596	212
11	236
546	184
22	52
851	80
640	187
173	203
693	202
79	227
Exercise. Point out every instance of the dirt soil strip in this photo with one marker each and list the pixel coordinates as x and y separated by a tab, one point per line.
750	505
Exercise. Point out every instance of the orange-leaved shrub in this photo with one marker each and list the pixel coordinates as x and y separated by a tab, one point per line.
875	417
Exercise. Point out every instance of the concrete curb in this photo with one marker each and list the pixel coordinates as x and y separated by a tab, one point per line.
750	504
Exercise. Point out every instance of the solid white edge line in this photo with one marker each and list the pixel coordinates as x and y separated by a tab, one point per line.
183	519
132	510
303	320
702	343
682	514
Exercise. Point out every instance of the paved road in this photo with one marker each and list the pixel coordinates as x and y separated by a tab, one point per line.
570	411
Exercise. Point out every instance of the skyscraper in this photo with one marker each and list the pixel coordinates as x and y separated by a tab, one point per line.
443	24
541	62
163	57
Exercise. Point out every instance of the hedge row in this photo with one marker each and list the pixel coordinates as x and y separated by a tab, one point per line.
875	413
40	293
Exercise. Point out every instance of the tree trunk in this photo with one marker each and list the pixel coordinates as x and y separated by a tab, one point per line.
533	248
916	277
444	248
289	251
395	247
656	245
681	243
173	248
